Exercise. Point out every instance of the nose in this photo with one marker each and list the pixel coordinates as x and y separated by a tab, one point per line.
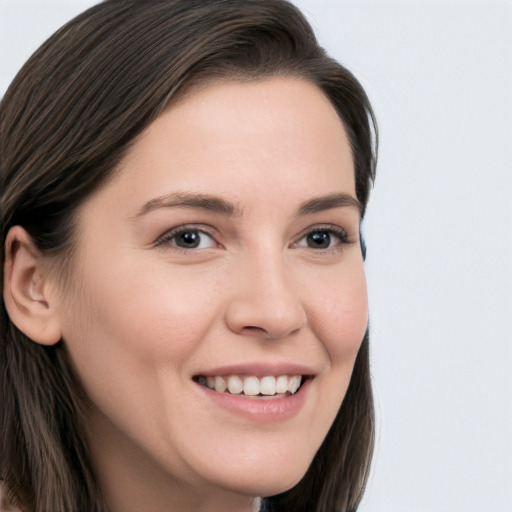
265	301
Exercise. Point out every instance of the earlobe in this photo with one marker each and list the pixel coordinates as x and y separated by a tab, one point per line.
27	294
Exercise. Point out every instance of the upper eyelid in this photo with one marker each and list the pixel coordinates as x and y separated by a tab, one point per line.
213	232
345	236
201	228
323	227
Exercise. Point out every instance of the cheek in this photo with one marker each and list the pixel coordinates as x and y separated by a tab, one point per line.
128	331
341	315
148	314
340	320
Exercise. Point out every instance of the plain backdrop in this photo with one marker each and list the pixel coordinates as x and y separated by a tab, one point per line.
438	230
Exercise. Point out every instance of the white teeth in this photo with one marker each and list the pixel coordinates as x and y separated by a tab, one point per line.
268	386
294	384
282	384
252	386
235	385
220	384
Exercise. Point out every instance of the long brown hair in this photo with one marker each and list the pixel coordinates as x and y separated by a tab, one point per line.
66	122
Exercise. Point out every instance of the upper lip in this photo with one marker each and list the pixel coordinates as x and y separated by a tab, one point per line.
260	369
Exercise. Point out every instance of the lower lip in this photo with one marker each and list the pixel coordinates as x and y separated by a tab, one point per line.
263	410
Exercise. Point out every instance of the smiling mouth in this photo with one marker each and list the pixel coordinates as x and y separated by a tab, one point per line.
252	386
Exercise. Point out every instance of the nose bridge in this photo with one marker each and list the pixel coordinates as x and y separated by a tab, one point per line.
266	299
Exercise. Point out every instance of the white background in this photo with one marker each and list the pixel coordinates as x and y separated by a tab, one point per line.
439	234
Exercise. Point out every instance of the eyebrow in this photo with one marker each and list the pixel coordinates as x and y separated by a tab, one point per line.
191	200
320	204
221	206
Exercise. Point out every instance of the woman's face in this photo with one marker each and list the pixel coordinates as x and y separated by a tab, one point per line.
225	250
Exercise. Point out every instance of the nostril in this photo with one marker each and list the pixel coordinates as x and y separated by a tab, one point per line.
271	333
254	328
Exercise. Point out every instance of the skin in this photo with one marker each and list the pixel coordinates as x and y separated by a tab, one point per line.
144	316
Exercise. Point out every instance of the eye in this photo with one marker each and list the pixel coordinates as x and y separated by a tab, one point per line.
323	238
187	238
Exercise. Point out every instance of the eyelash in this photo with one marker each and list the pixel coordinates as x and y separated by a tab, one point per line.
336	231
167	238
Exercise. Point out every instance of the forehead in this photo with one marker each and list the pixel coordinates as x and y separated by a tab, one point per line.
248	120
242	140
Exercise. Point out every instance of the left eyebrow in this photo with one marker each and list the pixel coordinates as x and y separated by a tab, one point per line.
320	204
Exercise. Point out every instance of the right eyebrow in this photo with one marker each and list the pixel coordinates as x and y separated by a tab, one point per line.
200	201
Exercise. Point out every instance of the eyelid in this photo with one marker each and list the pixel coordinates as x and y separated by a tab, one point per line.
167	237
339	232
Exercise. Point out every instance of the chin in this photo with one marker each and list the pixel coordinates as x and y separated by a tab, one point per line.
273	488
265	481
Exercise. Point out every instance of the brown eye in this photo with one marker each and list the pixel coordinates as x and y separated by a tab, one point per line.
319	240
323	239
187	238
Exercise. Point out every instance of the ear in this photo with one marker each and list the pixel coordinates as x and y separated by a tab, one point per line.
27	290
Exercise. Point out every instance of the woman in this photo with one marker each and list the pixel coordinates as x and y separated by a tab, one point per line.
185	316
